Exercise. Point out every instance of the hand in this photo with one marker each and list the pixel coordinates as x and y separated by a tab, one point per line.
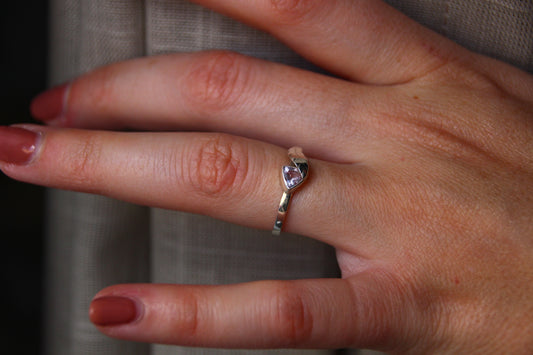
421	178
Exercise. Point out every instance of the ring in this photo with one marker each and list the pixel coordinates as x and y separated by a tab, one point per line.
292	177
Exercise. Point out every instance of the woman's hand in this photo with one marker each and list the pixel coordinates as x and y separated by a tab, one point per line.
421	178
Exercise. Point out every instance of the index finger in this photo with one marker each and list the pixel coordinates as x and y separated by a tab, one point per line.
363	40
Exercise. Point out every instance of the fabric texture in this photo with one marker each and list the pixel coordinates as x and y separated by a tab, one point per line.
94	242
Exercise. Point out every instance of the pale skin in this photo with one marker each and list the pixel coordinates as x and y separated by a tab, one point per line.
421	157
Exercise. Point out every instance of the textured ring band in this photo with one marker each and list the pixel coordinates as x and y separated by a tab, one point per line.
292	177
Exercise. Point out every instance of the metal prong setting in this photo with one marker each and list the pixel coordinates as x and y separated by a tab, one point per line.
292	178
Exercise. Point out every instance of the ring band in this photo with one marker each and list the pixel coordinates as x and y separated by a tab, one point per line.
292	177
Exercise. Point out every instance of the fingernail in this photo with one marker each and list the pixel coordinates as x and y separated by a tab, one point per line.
50	104
17	145
113	310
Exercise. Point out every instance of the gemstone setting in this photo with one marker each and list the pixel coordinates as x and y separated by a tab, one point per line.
292	177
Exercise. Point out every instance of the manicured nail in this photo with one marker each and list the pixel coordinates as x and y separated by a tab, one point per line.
17	145
50	104
113	310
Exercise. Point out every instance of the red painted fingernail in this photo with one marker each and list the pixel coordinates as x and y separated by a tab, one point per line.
49	105
113	310
17	145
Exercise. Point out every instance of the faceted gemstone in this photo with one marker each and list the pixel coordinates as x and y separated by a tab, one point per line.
291	177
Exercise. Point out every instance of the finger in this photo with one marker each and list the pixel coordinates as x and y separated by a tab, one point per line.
230	178
214	91
364	40
324	313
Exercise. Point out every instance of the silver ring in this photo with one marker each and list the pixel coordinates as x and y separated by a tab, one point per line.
292	177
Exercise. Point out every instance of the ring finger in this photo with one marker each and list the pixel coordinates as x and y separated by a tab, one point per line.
227	177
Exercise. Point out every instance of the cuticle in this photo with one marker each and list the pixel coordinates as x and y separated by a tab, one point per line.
139	310
64	117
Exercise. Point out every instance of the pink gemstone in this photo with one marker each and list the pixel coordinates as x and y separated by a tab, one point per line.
291	177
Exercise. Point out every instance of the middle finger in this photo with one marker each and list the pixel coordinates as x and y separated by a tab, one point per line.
216	91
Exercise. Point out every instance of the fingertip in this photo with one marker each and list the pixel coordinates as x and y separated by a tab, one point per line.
19	146
49	106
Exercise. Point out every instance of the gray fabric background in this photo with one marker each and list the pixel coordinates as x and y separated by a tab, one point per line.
94	242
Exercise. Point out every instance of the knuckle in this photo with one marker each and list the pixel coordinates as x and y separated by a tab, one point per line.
98	91
83	162
217	80
477	80
292	321
218	166
294	11
182	316
188	313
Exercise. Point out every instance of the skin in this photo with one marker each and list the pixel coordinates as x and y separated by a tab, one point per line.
421	178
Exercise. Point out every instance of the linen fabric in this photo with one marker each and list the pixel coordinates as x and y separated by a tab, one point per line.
94	242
